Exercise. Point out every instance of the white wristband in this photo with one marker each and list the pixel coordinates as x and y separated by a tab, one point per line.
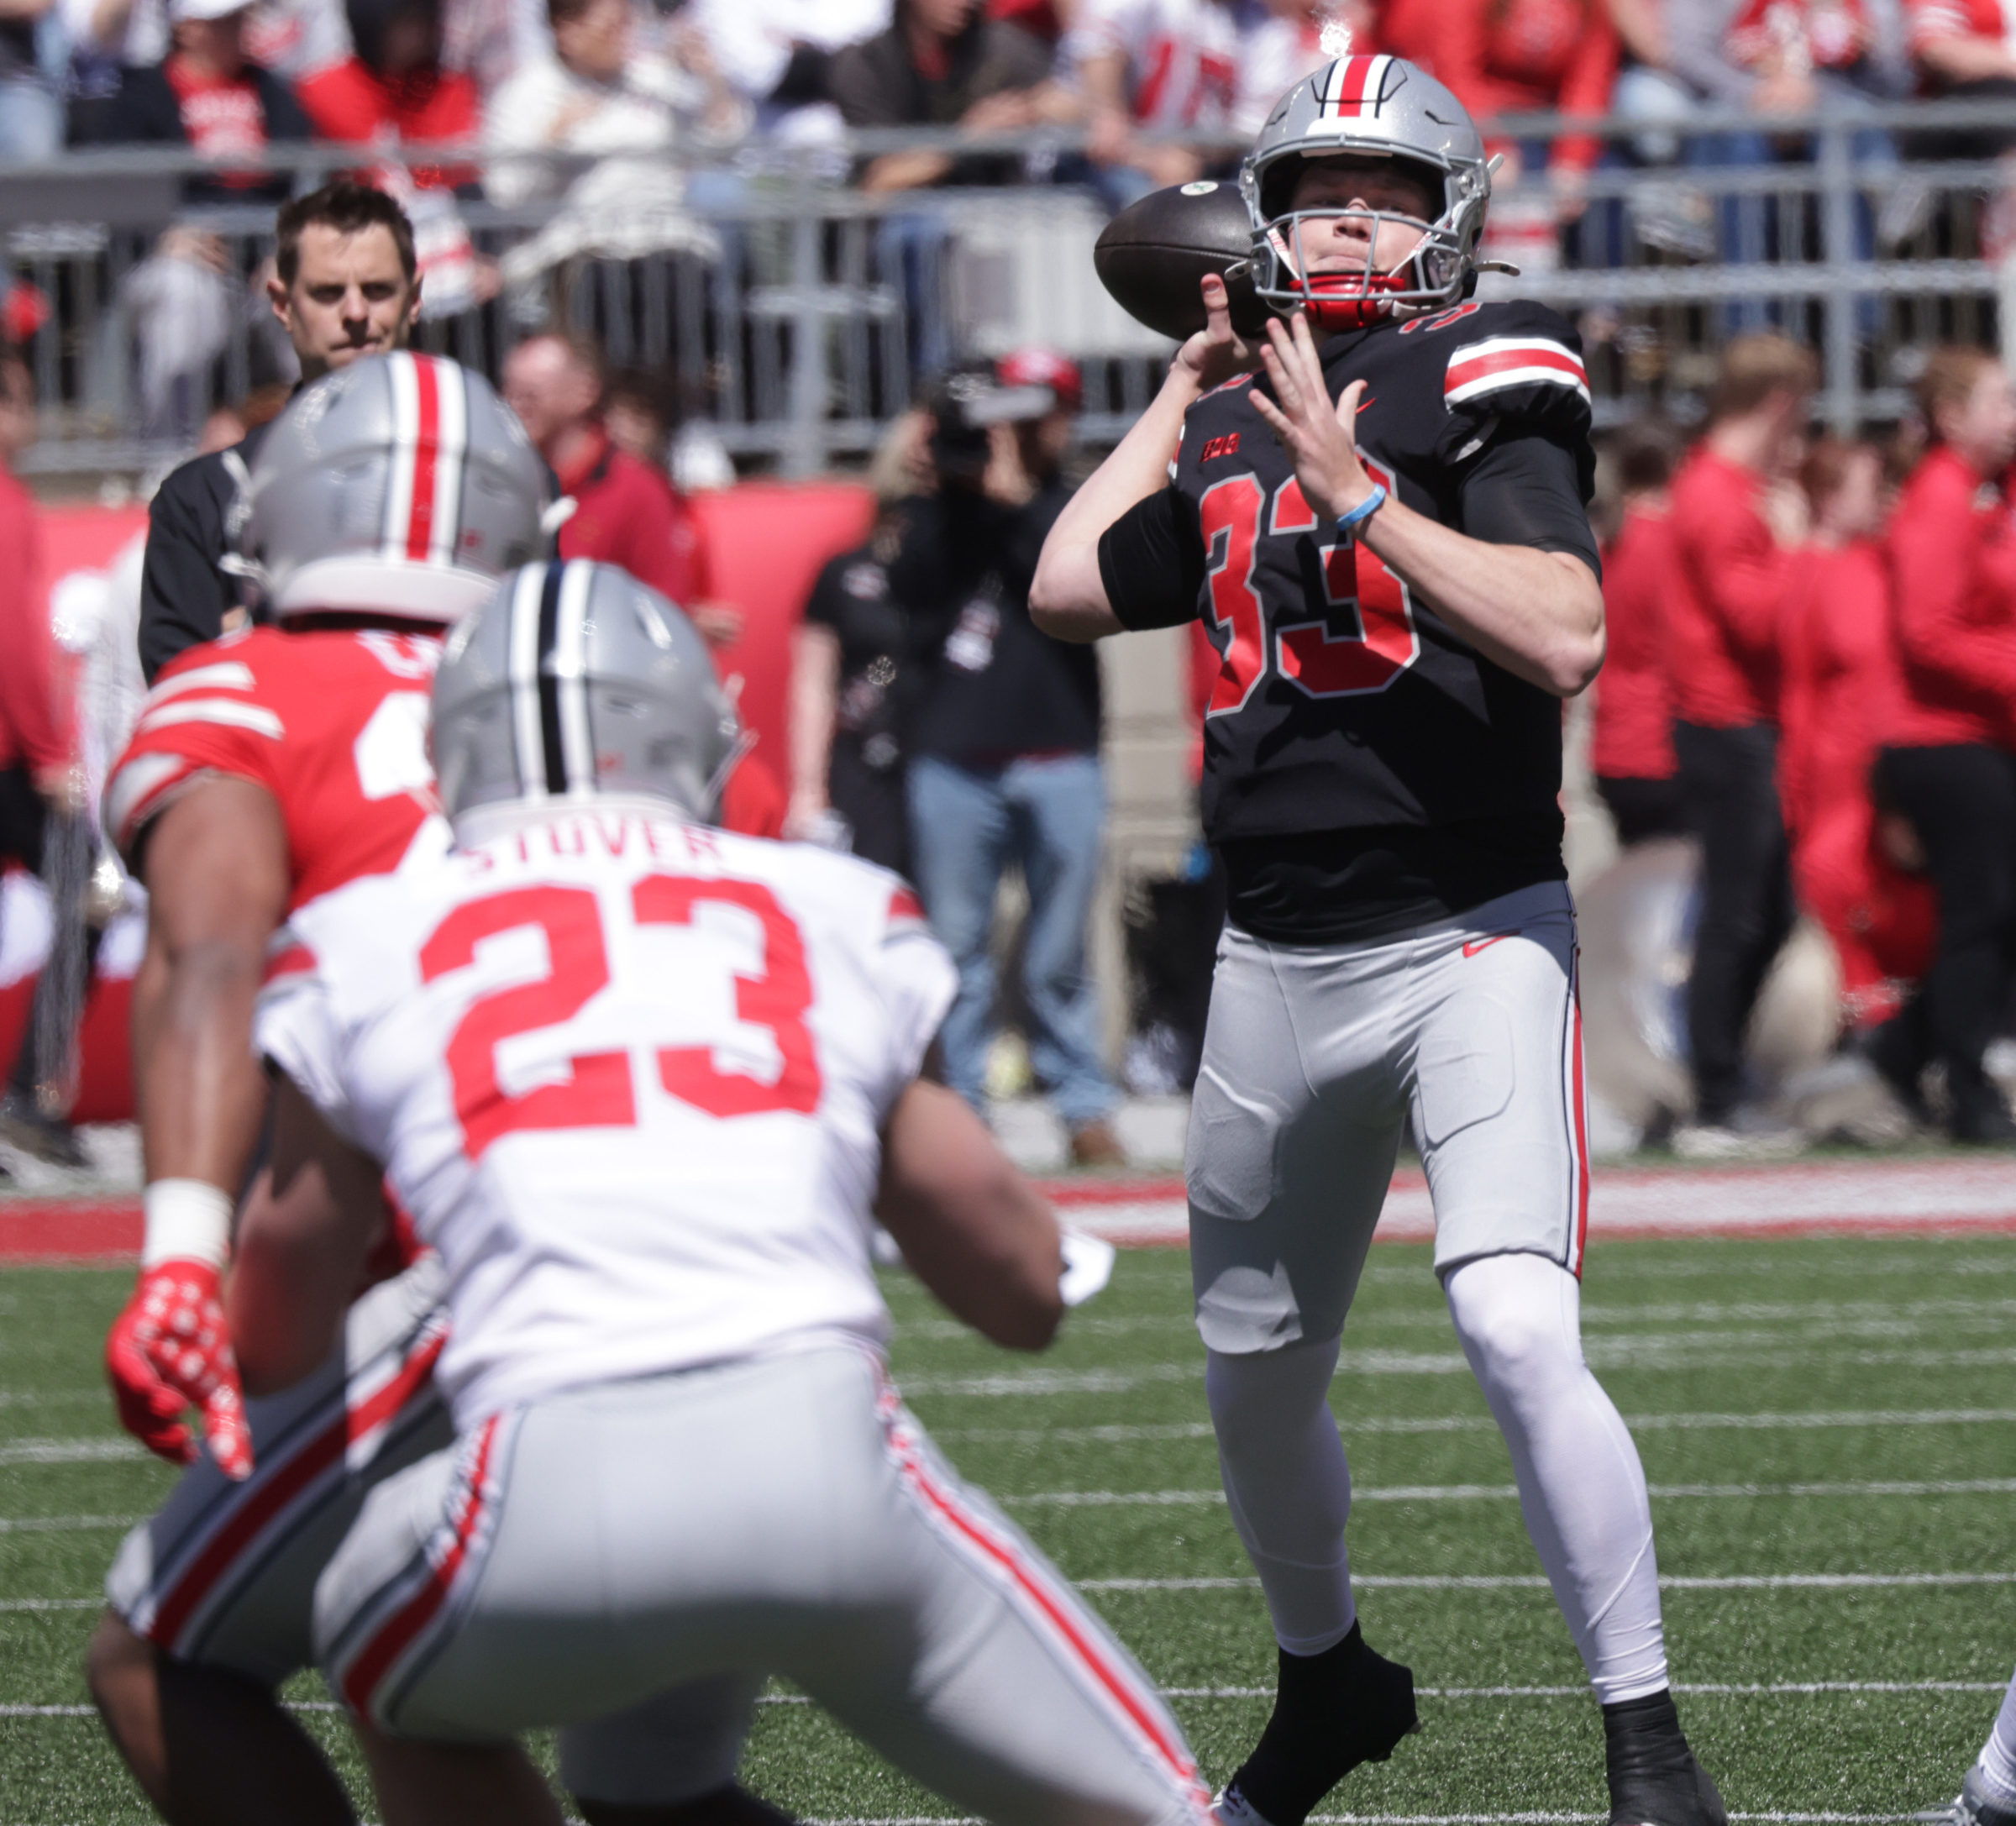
187	1220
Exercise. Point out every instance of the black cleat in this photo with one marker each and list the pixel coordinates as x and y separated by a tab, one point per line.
1655	1778
1332	1712
1972	1806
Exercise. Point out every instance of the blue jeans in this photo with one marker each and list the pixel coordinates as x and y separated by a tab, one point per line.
965	827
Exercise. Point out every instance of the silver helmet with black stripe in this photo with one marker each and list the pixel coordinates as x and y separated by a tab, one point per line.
575	683
401	485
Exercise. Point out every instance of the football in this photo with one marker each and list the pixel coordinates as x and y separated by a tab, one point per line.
1153	254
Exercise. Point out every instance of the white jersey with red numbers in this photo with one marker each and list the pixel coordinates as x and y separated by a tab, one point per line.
628	1076
1182	56
1928	21
332	723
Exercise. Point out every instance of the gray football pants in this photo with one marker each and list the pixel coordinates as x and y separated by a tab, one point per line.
1313	1056
601	1556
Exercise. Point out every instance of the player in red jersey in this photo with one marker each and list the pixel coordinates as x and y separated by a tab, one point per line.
267	768
1386	536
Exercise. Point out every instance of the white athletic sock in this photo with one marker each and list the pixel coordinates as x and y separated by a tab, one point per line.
1288	1486
1998	1755
1580	1484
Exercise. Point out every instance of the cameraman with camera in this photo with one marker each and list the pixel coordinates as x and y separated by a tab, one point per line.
1005	745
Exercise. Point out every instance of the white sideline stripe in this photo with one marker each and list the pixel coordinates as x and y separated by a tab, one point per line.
1748	1689
1483	1423
1357	1819
1820	1194
51	1603
1535	1581
75	1451
1676	1350
1466	1492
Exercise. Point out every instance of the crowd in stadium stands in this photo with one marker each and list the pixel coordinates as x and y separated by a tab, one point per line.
1812	668
608	75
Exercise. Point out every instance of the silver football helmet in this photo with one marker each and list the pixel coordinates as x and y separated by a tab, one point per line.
575	683
399	485
1372	107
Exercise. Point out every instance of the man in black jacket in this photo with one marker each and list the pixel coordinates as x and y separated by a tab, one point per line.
1004	745
346	284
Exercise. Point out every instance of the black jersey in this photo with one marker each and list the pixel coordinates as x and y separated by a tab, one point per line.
1347	715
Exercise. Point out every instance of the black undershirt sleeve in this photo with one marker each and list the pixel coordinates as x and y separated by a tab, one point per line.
1523	492
1151	560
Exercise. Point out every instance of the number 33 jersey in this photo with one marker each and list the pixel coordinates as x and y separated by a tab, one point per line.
628	1076
1343	700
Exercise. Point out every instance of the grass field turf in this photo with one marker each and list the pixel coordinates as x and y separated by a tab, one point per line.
1840	1414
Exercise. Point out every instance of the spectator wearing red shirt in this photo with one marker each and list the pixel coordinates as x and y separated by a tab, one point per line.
1632	749
1949	758
208	95
394	89
36	745
1736	520
1839	686
627	512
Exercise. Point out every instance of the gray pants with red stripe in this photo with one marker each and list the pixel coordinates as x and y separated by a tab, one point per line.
223	1573
607	1557
1313	1056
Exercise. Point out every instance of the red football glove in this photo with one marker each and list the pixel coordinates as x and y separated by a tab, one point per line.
170	1351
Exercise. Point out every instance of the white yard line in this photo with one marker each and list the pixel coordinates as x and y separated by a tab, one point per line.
1534	1582
57	1525
1471	1493
69	1451
1483	1423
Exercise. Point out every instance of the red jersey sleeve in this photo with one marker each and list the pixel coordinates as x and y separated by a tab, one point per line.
204	716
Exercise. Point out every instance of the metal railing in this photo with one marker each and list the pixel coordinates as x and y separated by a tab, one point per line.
798	315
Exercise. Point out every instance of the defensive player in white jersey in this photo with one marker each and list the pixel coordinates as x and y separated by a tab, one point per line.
266	769
642	1084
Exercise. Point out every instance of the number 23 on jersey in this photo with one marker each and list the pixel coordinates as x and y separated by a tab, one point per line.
1302	647
599	1090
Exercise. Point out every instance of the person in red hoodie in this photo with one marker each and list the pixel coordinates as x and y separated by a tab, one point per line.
1737	522
1949	758
1839	681
1631	751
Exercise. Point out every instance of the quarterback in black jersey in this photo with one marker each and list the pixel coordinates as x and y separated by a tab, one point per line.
1378	514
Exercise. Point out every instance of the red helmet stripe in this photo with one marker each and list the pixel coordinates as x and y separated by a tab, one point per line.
427	449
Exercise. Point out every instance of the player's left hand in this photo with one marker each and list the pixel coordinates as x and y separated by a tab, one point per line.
1318	437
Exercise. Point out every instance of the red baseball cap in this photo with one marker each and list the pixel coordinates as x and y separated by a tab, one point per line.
1043	367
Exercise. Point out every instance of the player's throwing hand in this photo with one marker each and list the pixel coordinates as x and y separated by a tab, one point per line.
1319	439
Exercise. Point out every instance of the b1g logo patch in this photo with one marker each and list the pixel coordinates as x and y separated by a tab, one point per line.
1440	320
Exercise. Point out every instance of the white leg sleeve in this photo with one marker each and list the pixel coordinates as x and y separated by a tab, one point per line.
1288	1484
1998	1755
1580	1483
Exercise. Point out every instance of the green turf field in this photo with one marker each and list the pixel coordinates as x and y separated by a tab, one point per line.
1809	1410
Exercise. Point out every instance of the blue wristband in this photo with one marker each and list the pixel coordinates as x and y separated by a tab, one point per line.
1365	509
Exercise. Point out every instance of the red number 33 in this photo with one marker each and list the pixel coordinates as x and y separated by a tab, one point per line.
598	1091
